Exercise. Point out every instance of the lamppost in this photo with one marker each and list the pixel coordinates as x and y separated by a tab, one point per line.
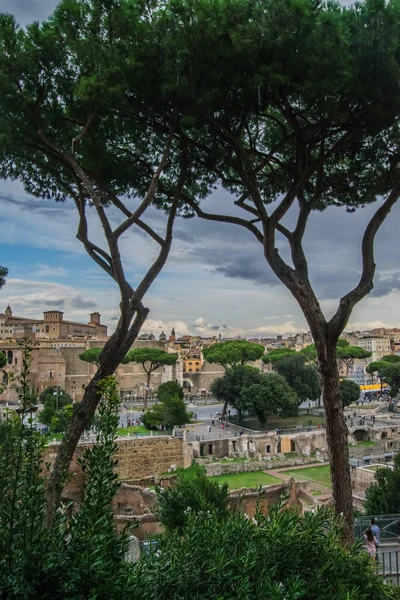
57	394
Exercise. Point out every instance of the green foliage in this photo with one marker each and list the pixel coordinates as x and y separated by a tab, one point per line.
350	391
344	352
310	353
229	387
388	369
232	354
170	413
271	396
193	493
53	392
3	360
342	343
151	358
277	354
302	377
374	367
169	388
348	354
3	276
391	374
55	401
92	355
82	555
382	497
391	358
93	556
283	556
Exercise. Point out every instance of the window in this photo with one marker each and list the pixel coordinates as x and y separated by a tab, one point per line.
268	449
83	386
50	374
47	328
15	361
210	448
54	328
190	370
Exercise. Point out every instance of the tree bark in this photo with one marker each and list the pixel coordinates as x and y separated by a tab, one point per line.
336	435
111	357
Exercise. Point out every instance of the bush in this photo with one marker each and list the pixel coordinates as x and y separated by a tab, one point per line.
82	556
169	389
193	492
284	557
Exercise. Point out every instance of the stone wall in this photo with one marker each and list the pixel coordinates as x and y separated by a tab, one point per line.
245	500
225	468
361	479
137	458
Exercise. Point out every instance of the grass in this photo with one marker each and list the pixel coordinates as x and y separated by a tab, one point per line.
274	422
316	492
366	443
320	475
236	481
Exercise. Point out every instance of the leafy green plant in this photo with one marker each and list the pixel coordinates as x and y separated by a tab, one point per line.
193	492
82	555
279	557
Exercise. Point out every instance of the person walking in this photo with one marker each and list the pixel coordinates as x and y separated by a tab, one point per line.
377	534
370	543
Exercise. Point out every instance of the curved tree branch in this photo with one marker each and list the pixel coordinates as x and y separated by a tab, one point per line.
366	282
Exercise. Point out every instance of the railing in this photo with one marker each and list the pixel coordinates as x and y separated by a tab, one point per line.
389	526
388	565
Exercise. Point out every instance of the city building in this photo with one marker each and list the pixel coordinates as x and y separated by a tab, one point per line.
52	326
379	346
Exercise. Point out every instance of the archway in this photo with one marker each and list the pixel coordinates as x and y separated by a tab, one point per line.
292	446
279	447
384	435
361	435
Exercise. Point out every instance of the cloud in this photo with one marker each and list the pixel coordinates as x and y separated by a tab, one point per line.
49	271
364	326
287	328
29	298
156	326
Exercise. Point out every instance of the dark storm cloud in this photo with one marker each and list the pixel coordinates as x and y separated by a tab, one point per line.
27	11
52	303
332	244
80	302
47	208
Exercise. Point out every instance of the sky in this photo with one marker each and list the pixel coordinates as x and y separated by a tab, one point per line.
216	279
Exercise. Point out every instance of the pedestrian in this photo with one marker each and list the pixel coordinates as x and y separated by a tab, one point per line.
195	415
377	534
213	422
370	543
223	426
209	429
192	429
241	431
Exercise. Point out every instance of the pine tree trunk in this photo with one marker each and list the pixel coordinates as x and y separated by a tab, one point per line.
336	434
112	355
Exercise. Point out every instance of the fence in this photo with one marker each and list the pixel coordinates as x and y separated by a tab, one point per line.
388	565
389	526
